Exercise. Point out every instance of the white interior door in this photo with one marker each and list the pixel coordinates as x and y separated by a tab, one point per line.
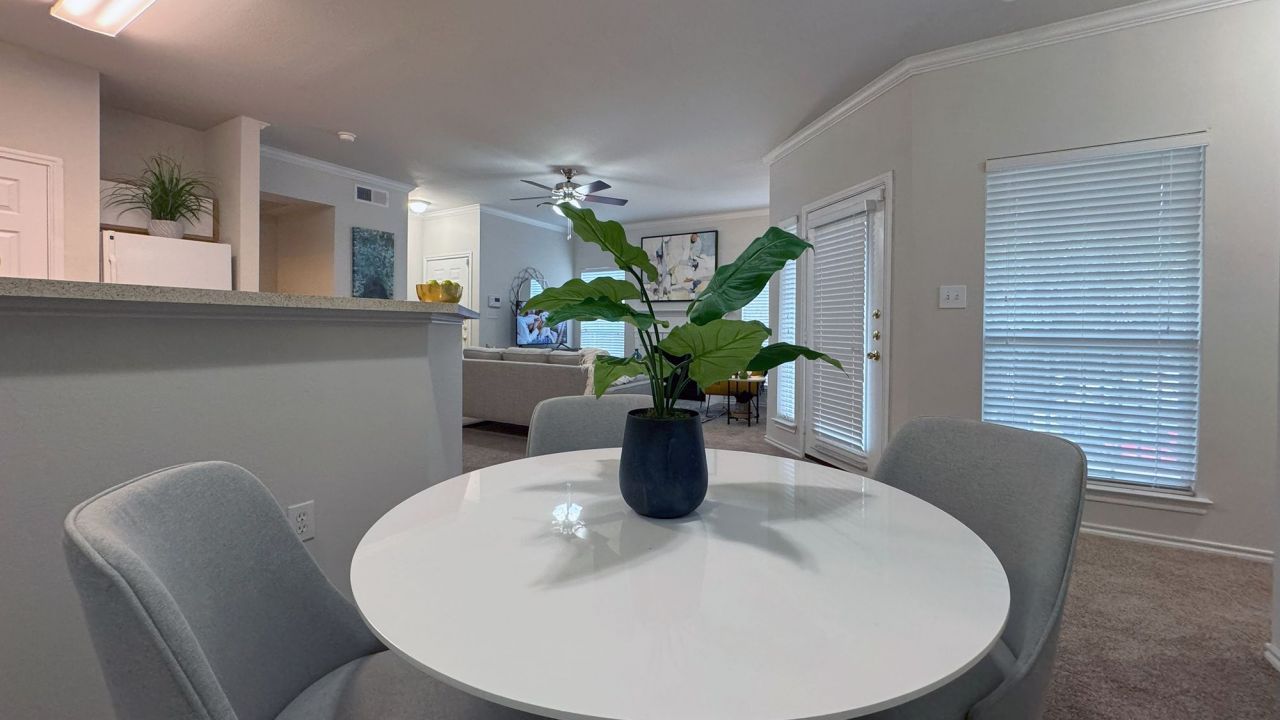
458	269
844	411
24	219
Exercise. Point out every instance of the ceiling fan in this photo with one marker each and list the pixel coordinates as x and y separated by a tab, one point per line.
571	192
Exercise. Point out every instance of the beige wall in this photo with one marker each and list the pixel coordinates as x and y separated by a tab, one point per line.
50	107
304	251
231	159
1214	71
507	247
128	139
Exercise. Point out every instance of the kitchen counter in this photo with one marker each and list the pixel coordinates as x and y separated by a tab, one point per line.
24	291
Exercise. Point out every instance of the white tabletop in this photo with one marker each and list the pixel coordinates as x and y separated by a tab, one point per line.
795	592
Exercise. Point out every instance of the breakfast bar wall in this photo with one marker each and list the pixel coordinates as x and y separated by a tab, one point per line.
355	404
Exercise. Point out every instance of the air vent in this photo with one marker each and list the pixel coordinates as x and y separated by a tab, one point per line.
372	196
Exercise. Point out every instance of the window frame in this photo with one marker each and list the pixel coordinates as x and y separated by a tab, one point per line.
622	326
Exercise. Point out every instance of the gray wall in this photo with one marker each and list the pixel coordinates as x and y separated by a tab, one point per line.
309	183
1210	71
356	413
507	247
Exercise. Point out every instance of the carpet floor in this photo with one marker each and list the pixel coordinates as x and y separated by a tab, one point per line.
1149	633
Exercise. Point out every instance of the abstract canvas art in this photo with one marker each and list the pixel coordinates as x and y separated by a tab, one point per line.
685	264
373	263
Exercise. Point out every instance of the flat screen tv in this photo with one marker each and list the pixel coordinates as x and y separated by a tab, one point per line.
533	330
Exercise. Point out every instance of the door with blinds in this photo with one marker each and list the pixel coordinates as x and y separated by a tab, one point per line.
846	320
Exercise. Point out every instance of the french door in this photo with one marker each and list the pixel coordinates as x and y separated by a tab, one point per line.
845	411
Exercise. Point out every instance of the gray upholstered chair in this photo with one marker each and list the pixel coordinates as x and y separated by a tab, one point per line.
1022	493
581	422
202	603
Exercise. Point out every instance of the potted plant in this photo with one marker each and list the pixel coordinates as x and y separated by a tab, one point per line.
663	469
170	196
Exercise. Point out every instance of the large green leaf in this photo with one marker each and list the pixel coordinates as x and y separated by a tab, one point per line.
610	236
600	308
575	291
719	348
608	369
781	353
738	283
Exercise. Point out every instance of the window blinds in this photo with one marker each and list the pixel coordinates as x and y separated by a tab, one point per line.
836	398
758	309
602	334
1092	308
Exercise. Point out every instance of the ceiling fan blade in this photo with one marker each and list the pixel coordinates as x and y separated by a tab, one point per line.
594	186
538	185
535	197
605	200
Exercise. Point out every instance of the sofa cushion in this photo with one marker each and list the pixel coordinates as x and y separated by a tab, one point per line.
482	353
568	357
529	355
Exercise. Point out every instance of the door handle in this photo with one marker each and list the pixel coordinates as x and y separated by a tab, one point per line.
874	355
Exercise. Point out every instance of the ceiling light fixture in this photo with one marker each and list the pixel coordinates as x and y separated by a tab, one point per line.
346	136
417	206
107	17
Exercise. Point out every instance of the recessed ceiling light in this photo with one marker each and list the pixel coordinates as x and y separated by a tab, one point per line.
346	136
417	206
107	17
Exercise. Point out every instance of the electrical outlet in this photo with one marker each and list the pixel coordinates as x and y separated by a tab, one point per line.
302	518
952	297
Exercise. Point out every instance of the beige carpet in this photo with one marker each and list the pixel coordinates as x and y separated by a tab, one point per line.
1150	633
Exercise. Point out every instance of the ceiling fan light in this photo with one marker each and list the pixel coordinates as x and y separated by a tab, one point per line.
574	202
555	208
106	17
417	206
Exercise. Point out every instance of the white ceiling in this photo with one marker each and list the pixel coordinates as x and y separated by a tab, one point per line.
674	102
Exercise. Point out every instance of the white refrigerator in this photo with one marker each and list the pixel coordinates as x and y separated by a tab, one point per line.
168	262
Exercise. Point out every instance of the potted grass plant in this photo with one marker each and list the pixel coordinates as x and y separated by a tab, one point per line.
663	469
169	194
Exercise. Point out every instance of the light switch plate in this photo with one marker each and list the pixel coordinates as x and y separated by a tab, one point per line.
953	297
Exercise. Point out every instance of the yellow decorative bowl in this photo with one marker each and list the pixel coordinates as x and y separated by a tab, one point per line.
439	292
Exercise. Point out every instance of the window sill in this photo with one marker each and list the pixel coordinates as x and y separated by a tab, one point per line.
1111	494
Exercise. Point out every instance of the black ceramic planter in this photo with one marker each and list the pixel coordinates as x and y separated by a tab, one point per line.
663	472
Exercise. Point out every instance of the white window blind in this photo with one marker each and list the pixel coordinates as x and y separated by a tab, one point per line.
786	331
1092	308
758	309
602	334
836	399
535	287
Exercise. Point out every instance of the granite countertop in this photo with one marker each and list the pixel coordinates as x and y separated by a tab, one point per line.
93	292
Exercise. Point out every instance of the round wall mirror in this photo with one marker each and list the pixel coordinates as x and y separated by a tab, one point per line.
527	283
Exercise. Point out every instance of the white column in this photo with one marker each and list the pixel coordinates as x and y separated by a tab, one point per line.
232	154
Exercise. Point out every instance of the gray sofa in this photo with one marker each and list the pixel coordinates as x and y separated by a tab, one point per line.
505	384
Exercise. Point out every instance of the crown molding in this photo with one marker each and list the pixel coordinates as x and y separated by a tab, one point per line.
494	212
327	167
703	220
508	215
1107	21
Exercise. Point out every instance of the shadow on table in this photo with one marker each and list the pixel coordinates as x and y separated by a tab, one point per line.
599	534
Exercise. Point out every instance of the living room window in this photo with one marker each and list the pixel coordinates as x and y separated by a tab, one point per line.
1092	304
758	309
602	334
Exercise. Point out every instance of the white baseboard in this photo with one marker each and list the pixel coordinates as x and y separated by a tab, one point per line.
1272	654
1209	546
789	451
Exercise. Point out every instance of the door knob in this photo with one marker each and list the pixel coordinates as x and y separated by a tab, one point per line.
874	355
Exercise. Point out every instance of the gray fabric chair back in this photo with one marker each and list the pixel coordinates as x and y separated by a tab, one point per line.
581	422
201	601
1023	494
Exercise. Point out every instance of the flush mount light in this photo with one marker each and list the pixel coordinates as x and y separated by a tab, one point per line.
346	136
107	17
417	206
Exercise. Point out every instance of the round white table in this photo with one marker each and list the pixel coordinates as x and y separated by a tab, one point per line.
795	592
